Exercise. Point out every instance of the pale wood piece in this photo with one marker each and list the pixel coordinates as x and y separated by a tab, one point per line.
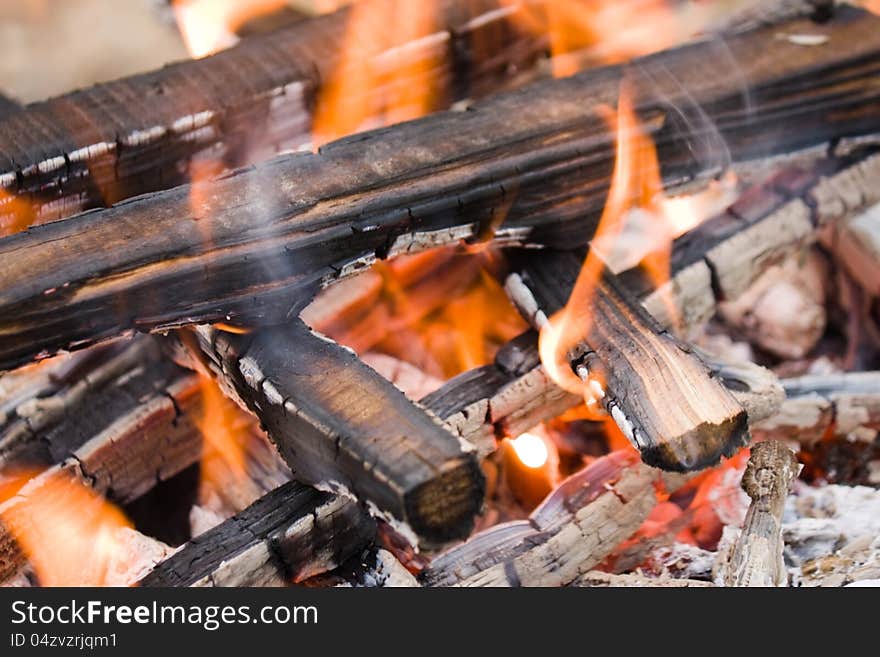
756	558
847	404
570	533
855	243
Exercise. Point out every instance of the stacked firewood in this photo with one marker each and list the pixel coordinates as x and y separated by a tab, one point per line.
358	483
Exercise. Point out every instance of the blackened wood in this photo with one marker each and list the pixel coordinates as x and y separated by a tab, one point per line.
95	147
756	557
259	242
293	533
657	389
341	426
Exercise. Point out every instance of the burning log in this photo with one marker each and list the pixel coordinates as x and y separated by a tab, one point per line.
256	244
639	371
756	558
571	532
291	534
856	245
818	405
343	427
95	147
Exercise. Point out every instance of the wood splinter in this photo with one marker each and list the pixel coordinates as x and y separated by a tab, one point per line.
756	558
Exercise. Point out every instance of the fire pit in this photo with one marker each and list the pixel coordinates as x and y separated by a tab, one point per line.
513	294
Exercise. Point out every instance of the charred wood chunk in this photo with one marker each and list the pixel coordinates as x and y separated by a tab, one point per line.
259	242
341	426
657	389
289	535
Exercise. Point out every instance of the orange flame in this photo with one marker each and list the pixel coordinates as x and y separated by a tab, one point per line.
16	214
208	26
584	32
635	184
224	428
446	337
379	78
69	533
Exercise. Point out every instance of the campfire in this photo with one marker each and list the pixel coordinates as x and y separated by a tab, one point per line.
449	293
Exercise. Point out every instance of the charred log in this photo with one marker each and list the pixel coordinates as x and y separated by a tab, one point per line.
289	535
259	242
95	147
341	426
641	370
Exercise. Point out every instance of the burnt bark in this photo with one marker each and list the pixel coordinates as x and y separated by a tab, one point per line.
341	426
95	147
289	535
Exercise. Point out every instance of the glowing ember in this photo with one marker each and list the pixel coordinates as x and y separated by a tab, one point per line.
208	26
531	450
71	535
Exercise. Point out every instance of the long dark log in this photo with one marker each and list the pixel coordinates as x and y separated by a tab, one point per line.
289	535
140	134
343	427
657	389
258	243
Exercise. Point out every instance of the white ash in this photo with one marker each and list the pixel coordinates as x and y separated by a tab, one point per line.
201	519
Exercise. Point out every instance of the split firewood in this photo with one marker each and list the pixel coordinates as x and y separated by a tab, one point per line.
783	312
570	533
342	427
634	368
846	405
756	557
95	147
291	534
596	578
255	245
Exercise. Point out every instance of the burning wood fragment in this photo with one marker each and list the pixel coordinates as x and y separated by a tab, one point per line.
571	532
281	230
342	427
656	388
756	558
291	534
95	147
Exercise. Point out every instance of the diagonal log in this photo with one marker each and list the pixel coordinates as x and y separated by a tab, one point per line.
656	388
342	427
289	535
255	245
95	147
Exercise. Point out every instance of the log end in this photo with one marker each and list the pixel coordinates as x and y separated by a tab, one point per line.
444	508
699	448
